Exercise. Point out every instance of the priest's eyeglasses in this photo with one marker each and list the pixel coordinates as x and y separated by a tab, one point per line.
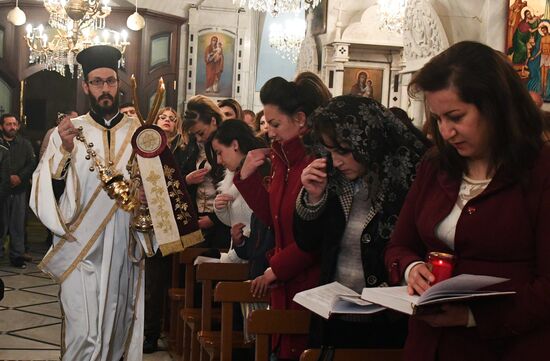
169	117
98	82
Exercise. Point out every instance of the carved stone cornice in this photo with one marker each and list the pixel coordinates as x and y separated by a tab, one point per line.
424	35
341	52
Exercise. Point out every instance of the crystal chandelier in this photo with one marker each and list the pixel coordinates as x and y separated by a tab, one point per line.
392	14
275	7
73	26
287	39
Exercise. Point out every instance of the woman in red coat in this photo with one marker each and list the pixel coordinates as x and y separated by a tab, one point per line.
286	107
483	195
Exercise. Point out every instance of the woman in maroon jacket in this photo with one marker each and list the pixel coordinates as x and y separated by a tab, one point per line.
286	107
483	195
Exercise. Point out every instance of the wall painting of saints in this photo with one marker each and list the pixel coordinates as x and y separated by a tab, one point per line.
366	82
215	60
528	43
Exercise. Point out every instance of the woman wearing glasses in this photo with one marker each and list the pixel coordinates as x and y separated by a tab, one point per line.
157	268
170	121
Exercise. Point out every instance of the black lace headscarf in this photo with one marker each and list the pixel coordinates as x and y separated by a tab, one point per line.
387	148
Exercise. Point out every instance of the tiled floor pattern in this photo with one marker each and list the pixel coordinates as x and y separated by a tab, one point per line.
30	317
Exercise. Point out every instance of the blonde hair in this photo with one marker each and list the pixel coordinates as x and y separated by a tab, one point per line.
178	134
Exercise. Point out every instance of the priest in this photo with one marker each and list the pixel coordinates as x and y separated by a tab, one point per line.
95	257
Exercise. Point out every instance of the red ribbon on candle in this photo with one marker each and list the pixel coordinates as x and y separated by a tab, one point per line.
441	265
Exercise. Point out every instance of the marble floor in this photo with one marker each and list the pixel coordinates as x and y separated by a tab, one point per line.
30	317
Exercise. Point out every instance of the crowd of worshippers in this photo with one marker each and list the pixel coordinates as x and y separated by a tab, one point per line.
315	189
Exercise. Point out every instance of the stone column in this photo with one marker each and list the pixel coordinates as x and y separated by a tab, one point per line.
339	57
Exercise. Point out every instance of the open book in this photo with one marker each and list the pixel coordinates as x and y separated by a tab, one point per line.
204	259
334	298
455	289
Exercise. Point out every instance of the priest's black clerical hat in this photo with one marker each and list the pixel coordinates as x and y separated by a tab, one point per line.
98	56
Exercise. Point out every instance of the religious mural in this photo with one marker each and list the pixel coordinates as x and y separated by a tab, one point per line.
528	43
215	59
365	82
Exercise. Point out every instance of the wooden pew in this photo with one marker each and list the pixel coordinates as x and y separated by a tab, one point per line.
208	274
355	355
228	293
264	323
177	293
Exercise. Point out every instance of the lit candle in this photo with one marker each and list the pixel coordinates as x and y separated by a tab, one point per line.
105	35
441	265
136	100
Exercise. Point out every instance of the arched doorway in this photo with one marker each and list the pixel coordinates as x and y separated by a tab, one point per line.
46	93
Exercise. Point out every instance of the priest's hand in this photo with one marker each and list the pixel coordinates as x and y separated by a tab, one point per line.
196	176
67	132
254	159
222	201
451	315
314	179
420	279
205	222
261	283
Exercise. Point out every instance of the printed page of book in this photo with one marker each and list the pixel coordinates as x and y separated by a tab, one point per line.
333	298
395	298
203	259
354	305
457	288
461	285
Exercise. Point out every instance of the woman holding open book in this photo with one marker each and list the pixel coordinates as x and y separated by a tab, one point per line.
482	195
348	213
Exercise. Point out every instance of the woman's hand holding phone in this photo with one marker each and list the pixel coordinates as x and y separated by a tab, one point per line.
314	179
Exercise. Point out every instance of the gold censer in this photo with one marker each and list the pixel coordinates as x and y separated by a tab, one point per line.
113	181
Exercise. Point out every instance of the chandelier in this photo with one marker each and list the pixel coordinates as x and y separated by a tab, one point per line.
392	14
287	39
276	7
73	26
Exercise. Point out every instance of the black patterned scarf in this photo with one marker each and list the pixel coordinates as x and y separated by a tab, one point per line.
386	146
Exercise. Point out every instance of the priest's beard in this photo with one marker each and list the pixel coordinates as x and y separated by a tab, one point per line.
100	105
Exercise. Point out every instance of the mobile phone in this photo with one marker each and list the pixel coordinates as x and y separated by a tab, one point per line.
330	166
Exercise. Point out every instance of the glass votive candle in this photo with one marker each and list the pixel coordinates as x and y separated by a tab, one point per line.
441	265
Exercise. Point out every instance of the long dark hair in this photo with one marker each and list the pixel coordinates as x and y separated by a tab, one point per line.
203	109
305	93
236	129
485	78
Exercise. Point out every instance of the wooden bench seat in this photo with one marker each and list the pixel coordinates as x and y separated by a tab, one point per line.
264	323
355	355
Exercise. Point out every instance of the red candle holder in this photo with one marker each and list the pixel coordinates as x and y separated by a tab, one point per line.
441	265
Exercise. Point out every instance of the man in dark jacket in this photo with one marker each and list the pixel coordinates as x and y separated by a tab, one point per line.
21	165
4	188
4	175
